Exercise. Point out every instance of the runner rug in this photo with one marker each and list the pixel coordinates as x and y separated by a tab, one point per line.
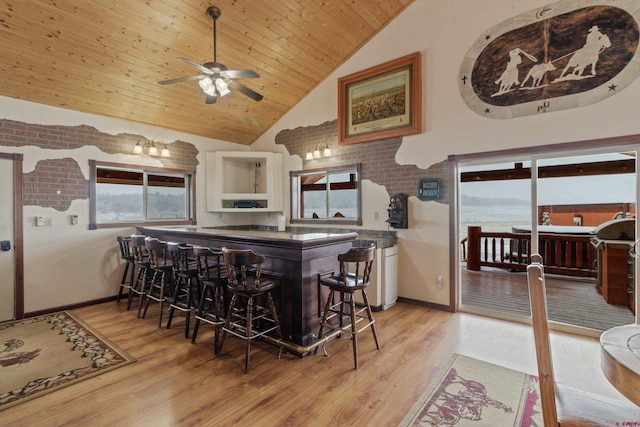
42	354
470	392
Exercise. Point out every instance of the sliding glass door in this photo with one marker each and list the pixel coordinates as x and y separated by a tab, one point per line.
554	206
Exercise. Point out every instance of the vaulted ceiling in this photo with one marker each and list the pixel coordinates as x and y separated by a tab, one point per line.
106	57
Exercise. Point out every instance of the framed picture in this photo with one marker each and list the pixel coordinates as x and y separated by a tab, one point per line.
381	102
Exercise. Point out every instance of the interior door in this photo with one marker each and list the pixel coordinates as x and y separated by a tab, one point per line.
7	253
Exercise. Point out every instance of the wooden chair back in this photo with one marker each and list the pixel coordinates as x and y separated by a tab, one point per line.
139	247
355	266
538	298
244	268
209	263
563	405
126	252
180	258
158	252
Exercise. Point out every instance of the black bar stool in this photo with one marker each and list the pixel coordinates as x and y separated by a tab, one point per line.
126	254
159	288
213	280
354	276
247	283
186	293
143	270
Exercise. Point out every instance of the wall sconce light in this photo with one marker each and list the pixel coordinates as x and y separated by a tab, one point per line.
318	152
150	148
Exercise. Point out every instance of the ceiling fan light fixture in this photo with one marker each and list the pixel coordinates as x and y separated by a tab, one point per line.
216	77
205	83
211	91
223	87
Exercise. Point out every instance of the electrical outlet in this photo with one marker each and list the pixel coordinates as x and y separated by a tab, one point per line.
375	215
439	282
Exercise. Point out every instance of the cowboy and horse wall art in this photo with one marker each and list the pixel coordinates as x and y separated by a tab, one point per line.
565	55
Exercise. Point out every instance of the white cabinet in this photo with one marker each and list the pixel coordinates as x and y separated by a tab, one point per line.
383	290
244	181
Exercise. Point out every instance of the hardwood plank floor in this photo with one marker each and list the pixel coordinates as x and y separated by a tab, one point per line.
175	383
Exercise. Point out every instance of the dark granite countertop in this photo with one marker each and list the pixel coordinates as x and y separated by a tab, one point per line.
383	239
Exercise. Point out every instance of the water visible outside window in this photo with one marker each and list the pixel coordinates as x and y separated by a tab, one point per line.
119	202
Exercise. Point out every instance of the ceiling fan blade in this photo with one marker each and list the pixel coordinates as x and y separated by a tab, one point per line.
211	99
195	64
178	80
245	90
240	74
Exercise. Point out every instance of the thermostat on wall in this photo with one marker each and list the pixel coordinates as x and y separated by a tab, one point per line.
429	189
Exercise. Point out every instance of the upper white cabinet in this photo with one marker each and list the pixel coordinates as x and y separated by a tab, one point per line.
244	181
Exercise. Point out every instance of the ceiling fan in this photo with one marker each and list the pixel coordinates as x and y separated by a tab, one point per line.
216	79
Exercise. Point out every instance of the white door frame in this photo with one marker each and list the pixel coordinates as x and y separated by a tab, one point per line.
18	235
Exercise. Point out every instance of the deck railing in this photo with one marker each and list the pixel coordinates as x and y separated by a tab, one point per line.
567	254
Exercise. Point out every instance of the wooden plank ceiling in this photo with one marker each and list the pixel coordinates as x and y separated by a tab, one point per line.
106	57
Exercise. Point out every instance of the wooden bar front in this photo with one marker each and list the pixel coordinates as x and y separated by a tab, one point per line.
299	258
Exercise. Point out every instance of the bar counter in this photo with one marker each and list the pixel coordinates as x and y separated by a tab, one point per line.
299	258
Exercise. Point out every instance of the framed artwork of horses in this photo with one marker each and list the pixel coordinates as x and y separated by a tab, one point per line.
564	55
381	102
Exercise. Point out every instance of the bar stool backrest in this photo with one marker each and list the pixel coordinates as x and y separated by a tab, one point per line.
126	252
139	248
209	263
244	268
355	266
158	252
182	263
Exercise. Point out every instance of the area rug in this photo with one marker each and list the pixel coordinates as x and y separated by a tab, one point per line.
42	354
470	392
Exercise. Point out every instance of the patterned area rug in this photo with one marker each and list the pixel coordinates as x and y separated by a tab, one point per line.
471	392
42	354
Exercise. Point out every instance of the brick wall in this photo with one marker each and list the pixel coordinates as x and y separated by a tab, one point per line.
57	182
377	158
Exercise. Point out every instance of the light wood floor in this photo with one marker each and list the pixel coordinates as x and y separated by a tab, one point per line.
175	383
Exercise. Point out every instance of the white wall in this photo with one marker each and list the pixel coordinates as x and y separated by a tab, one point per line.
66	264
443	31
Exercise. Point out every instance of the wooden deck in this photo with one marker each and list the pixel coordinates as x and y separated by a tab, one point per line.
571	300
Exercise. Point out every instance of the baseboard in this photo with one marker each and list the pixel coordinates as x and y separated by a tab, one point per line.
70	307
425	304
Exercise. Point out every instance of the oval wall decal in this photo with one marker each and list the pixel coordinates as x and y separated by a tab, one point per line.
565	55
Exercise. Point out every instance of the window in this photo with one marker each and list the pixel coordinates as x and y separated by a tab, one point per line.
327	196
123	195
